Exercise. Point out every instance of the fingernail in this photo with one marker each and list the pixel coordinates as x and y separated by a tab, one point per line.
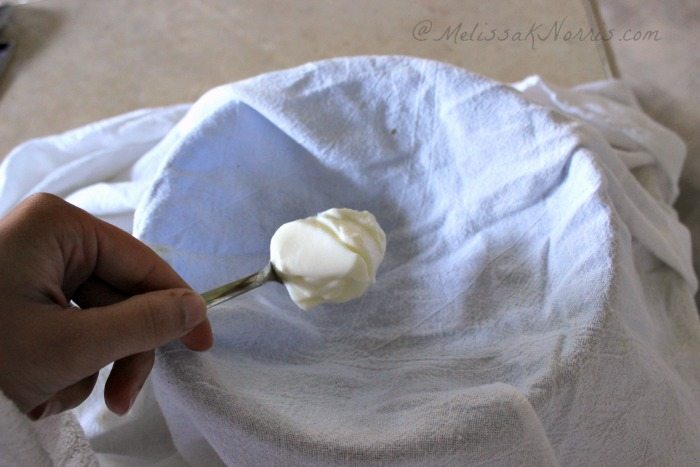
195	309
37	412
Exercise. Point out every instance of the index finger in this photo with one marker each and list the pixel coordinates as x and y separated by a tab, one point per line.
129	265
71	245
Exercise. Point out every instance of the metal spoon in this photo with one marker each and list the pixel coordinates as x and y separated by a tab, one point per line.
233	289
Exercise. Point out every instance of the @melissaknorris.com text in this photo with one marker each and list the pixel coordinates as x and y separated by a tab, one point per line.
460	32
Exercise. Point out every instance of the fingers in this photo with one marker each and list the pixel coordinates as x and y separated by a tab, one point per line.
96	293
66	399
124	331
126	380
200	338
129	374
89	246
105	265
128	264
132	302
141	323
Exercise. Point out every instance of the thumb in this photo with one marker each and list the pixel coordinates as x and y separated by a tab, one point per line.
142	322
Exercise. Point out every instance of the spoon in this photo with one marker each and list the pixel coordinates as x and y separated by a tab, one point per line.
233	289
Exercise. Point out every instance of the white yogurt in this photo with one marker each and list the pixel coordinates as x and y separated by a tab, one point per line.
331	257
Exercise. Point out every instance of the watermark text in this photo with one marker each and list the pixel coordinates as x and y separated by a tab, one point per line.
533	35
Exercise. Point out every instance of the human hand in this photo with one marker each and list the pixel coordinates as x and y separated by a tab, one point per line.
130	302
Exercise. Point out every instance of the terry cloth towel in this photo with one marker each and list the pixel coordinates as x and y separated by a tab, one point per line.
55	441
535	306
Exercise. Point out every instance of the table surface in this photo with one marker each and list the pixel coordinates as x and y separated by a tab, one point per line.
79	61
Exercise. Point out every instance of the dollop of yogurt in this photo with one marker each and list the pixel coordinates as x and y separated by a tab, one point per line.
331	257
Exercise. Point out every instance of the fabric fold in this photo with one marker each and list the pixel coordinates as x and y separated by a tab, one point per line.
535	305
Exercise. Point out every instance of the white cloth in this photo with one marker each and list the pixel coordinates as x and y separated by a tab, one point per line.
58	440
535	305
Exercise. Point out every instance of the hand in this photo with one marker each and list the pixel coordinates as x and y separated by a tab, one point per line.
130	302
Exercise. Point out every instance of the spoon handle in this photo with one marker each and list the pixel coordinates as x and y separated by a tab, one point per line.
233	289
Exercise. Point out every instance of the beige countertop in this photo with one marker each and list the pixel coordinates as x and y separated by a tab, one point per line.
77	61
